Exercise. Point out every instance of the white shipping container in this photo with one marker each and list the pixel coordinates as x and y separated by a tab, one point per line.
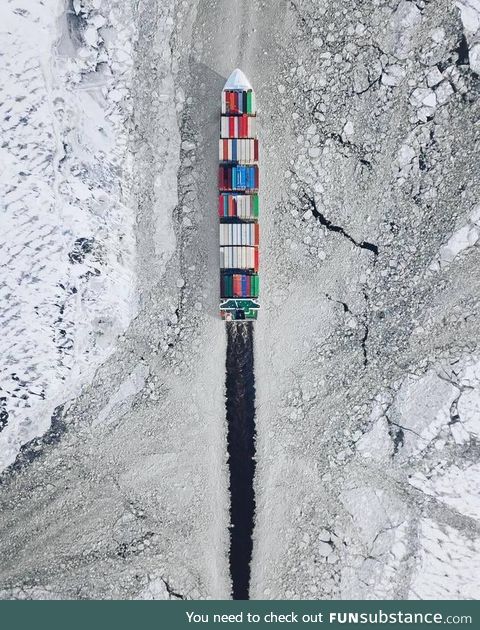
242	257
243	210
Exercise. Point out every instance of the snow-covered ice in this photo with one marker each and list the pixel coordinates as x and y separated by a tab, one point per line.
67	243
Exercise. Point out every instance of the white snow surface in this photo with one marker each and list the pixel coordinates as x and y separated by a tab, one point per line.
448	565
66	242
463	238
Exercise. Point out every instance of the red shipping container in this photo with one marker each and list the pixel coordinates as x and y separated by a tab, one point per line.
220	205
255	150
225	149
257	234
256	258
231	102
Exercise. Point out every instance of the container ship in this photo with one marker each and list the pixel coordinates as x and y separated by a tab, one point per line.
238	201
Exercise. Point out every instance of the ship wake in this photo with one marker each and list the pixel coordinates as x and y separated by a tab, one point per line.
240	406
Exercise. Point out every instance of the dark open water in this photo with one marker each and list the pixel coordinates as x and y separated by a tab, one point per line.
240	404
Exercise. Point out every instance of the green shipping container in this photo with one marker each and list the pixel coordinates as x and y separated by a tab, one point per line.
249	102
255	284
255	206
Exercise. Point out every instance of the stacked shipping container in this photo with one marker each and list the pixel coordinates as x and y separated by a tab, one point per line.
238	183
238	206
243	126
239	285
244	151
239	234
238	102
237	177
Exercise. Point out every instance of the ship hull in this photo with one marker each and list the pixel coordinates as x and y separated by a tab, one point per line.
238	201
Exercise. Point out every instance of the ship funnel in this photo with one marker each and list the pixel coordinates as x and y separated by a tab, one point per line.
237	81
